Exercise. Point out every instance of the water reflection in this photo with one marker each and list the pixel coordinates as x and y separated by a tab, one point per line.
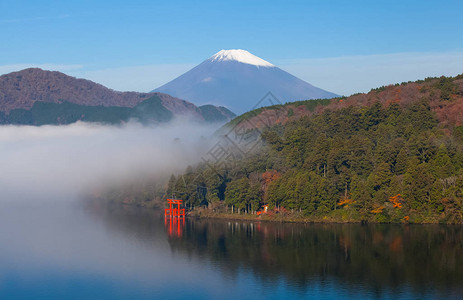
352	259
174	226
377	258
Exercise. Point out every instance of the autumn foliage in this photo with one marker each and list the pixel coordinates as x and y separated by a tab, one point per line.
268	177
378	210
397	201
345	201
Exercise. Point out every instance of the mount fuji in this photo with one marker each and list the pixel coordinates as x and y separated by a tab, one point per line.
237	80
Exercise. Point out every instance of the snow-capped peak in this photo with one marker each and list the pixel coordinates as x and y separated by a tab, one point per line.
239	55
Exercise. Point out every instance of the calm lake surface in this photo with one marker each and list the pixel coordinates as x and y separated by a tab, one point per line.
117	252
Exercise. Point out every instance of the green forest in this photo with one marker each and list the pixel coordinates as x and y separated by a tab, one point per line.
395	157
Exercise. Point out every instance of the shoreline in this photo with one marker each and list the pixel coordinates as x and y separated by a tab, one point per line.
287	217
204	213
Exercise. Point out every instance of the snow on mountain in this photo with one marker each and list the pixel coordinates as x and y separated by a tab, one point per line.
239	55
237	80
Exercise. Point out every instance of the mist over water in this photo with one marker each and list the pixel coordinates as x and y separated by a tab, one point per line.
51	244
62	162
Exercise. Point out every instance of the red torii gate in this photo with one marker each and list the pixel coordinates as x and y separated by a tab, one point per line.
174	212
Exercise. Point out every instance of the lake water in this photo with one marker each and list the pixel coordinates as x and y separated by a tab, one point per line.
118	252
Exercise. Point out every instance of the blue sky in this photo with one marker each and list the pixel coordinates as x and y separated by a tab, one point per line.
139	45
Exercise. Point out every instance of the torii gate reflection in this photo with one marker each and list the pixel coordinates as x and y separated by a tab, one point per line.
176	218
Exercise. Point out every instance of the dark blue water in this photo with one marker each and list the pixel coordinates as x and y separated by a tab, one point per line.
110	252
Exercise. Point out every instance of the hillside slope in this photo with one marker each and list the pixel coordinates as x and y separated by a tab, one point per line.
23	88
394	154
444	96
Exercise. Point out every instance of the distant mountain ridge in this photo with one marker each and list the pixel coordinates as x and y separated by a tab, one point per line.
21	89
444	95
238	79
36	97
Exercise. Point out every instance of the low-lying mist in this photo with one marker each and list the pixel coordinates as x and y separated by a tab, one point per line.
63	162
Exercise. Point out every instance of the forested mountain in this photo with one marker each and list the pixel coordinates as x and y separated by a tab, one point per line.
394	154
36	97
